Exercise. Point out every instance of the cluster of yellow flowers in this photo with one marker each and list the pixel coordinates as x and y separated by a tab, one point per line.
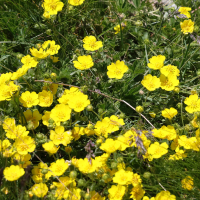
187	26
168	77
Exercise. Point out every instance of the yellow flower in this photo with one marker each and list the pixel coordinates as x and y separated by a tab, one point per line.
123	177
152	114
41	54
168	83
151	82
110	145
91	44
79	102
45	98
54	59
157	150
5	78
75	2
24	160
165	195
19	73
46	117
139	109
137	192
156	62
24	145
117	28
187	183
16	132
60	113
170	70
50	47
185	11
39	190
169	113
193	103
33	117
29	61
29	99
59	136
165	132
116	192
117	70
187	26
50	147
52	6
59	167
13	172
84	62
194	122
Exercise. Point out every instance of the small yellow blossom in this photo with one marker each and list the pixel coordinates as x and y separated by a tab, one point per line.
185	11
84	62
169	113
187	183
151	82
156	62
187	26
91	44
13	172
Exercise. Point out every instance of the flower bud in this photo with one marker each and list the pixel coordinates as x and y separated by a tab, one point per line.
139	109
48	31
81	182
73	174
147	175
44	171
122	115
100	110
196	28
176	89
141	92
19	56
114	165
89	108
105	176
152	114
68	149
87	196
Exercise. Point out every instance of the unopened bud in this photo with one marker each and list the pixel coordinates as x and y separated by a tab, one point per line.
139	109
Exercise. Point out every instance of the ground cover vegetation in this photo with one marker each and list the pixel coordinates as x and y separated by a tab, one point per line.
99	100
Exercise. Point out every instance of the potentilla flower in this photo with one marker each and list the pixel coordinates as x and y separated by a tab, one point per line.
165	195
110	145
50	147
157	150
29	99
51	47
123	177
117	28
170	70
187	183
13	172
33	117
169	113
16	132
24	145
187	26
5	78
151	82
24	160
45	98
137	192
165	132
39	190
117	70
193	103
60	113
19	73
60	136
79	102
41	54
185	11
116	192
52	6
168	83
75	2
91	44
46	117
54	59
84	62
59	167
29	61
156	62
